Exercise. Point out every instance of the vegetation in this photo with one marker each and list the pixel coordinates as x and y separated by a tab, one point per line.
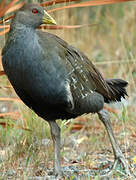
25	145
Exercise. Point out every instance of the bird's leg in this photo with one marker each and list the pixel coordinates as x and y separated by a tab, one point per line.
119	157
55	133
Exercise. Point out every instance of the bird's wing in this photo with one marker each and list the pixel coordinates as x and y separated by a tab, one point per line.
83	75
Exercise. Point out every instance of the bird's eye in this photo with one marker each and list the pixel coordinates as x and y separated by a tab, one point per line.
35	11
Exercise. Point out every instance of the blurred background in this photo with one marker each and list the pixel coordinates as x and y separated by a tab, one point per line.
25	145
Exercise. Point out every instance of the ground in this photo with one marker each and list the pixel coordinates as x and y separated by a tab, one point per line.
26	150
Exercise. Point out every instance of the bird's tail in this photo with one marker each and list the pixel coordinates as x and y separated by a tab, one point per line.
117	89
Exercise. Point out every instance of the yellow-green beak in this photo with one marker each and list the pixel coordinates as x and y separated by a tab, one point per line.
47	19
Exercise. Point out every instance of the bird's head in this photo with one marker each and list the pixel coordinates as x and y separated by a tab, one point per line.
33	15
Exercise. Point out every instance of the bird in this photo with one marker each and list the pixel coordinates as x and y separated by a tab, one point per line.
55	79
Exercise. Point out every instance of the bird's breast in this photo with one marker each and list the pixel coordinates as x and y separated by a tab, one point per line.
35	71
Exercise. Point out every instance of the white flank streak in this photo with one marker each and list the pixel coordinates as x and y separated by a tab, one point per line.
69	95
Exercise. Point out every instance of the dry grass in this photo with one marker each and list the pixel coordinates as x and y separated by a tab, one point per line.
111	45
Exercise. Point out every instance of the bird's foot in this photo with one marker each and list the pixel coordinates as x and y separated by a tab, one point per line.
56	174
119	160
122	161
65	172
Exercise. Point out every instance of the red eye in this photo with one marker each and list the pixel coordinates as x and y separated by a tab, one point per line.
35	11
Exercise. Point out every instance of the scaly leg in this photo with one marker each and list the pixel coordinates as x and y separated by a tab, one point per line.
55	133
119	157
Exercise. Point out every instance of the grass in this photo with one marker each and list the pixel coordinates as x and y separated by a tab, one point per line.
111	45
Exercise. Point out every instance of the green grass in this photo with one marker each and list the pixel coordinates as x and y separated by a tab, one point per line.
111	45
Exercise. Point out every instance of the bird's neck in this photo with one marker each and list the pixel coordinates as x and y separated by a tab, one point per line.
20	31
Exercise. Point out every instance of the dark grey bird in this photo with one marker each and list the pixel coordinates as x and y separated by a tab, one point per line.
55	79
